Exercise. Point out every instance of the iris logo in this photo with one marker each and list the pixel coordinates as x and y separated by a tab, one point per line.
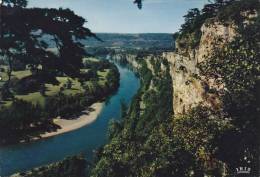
243	170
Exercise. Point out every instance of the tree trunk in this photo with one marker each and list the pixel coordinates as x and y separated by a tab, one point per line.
9	72
1	23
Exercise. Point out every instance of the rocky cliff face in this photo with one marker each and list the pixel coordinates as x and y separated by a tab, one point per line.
133	60
127	58
188	90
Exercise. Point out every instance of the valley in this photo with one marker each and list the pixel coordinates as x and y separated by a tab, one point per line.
81	104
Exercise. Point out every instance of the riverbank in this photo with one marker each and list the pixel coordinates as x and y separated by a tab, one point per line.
31	113
68	125
21	156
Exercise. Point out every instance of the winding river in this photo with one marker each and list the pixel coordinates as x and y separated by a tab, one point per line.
23	157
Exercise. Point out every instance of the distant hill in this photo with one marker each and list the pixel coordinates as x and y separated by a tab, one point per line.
132	41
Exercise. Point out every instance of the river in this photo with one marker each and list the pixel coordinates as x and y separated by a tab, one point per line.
85	140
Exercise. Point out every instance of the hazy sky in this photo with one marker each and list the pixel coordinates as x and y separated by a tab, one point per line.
122	16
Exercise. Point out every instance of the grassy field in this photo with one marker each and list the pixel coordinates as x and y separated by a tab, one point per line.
51	90
102	76
15	74
90	59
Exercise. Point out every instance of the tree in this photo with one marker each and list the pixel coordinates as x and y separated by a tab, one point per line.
27	40
69	84
43	90
74	166
16	3
190	20
139	3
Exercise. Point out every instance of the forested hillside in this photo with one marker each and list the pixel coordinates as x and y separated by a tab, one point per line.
149	40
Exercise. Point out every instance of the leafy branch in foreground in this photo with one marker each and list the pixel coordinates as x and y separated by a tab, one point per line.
31	41
139	3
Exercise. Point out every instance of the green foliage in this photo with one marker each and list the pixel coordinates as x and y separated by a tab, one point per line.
71	167
191	20
16	3
141	145
225	11
29	46
69	84
232	11
18	119
145	73
198	130
190	31
65	105
43	90
114	128
36	110
5	93
112	78
236	66
139	3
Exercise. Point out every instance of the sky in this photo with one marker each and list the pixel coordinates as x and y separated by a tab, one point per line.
121	16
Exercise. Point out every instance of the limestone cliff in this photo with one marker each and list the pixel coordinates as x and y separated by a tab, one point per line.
188	90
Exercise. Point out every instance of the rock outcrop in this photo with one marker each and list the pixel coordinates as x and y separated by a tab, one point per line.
189	91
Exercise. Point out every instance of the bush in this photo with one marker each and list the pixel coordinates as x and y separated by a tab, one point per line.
71	167
42	90
68	84
6	93
27	85
16	120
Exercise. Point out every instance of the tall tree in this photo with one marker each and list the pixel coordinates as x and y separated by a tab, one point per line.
28	34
